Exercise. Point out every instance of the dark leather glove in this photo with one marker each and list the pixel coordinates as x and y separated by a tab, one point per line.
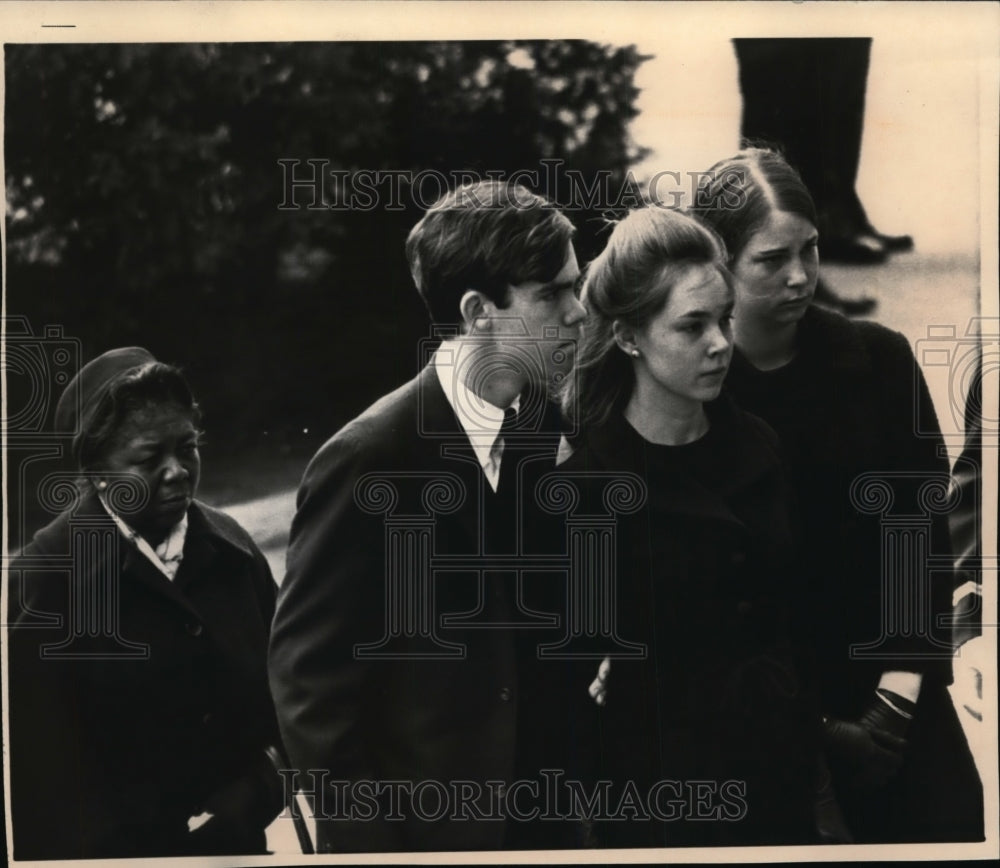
880	716
864	753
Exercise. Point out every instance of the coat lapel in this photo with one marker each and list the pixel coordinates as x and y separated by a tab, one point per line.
446	446
134	566
138	568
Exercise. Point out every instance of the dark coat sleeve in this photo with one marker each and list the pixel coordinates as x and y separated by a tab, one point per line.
964	521
918	457
329	602
256	794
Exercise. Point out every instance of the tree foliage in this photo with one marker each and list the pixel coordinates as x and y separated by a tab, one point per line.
144	184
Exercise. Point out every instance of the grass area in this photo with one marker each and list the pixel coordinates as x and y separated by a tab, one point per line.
229	477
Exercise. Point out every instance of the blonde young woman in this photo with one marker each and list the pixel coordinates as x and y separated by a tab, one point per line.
713	727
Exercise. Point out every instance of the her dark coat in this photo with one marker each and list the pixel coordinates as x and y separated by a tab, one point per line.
703	582
118	738
854	402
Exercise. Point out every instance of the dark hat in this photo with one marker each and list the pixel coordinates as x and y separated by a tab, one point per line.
82	396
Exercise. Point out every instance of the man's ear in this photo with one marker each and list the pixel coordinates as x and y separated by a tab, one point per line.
475	309
624	336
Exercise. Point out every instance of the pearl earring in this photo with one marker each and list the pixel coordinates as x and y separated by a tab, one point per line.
102	485
635	354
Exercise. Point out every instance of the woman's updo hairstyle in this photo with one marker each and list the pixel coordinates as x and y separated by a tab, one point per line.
630	281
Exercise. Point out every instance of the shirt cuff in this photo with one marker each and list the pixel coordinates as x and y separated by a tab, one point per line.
906	684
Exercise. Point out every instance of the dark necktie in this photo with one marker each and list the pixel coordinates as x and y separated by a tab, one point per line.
501	513
507	480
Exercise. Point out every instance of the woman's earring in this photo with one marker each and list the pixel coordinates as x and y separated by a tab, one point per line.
102	485
635	354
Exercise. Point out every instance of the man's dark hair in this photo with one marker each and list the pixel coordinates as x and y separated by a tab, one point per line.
485	236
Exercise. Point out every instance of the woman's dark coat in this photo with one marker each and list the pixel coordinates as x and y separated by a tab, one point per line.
853	411
703	582
111	754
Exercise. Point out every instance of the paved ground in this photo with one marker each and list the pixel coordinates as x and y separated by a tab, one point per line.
267	519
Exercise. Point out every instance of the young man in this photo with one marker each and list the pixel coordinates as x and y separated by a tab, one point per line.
397	680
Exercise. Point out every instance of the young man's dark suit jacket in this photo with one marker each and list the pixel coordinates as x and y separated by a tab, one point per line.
404	719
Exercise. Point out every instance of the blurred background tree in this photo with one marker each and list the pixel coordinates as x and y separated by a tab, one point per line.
143	193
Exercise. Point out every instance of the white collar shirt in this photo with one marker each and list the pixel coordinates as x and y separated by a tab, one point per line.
480	420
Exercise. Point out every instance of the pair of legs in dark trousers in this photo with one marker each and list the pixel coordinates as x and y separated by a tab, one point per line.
807	96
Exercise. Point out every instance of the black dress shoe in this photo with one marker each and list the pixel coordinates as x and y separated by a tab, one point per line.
847	306
847	235
859	248
893	243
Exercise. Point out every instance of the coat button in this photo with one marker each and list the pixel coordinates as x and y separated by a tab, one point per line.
194	628
207	718
738	558
744	607
505	694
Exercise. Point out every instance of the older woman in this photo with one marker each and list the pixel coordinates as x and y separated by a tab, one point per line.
141	723
848	399
710	730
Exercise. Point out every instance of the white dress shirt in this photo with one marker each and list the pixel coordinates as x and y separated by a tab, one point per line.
480	420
